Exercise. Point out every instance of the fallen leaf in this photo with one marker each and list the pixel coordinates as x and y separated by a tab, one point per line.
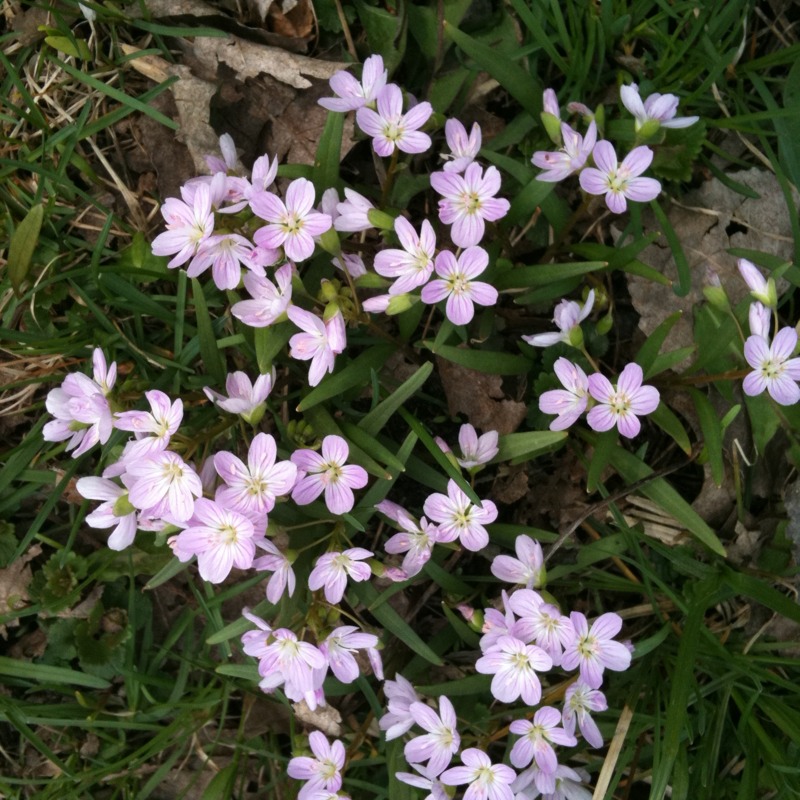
14	582
325	718
480	397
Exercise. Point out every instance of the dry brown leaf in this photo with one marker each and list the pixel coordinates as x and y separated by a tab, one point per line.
710	221
325	718
292	18
480	397
14	582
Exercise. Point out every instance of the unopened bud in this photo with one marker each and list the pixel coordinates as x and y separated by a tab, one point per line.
122	506
330	242
400	303
576	336
380	219
552	126
256	415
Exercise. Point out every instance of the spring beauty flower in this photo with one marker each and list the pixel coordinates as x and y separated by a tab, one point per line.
463	148
339	646
293	224
623	404
570	402
773	367
416	540
527	568
486	781
476	450
165	486
320	342
538	738
424	780
468	202
189	223
658	108
323	770
390	129
567	316
412	266
760	320
398	719
220	538
460	518
328	472
353	94
152	429
253	488
455	284
514	665
442	740
579	700
594	649
278	564
352	214
763	289
81	408
620	182
115	512
269	300
245	397
333	569
571	158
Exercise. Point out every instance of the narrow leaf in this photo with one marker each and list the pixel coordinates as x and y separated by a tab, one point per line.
489	363
374	421
23	243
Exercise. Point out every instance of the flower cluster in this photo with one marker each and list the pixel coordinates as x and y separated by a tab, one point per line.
617	181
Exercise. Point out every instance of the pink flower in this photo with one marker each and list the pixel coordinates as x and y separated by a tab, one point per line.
328	473
660	108
761	288
623	404
269	302
460	518
463	149
579	700
353	214
324	771
527	568
165	486
398	719
476	450
390	128
571	158
353	94
538	738
288	661
116	512
441	743
486	781
456	284
281	568
760	320
412	266
567	316
160	423
224	253
541	623
424	780
563	784
244	397
514	665
293	224
219	537
339	646
319	343
620	181
252	489
595	649
570	402
773	367
333	569
468	201
416	540
189	223
80	407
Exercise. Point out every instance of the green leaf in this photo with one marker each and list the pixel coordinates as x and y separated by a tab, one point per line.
649	350
604	444
633	469
711	427
524	205
374	421
328	156
166	573
372	447
23	243
356	373
668	421
386	32
763	593
543	274
764	422
393	622
269	341
675	157
77	48
44	673
484	361
520	84
246	672
220	787
520	447
681	263
208	340
463	687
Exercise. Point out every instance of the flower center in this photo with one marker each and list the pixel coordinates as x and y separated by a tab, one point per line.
471	201
587	646
771	369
